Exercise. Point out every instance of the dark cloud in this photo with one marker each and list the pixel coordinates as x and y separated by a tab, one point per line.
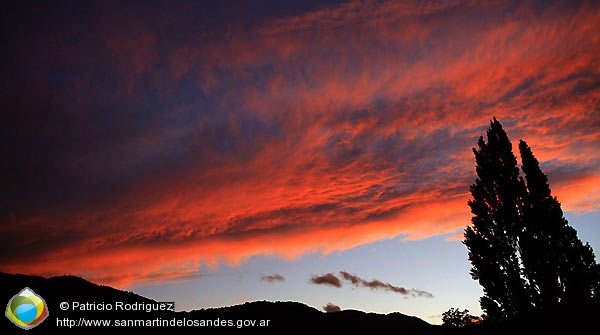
326	279
273	278
331	308
375	284
379	285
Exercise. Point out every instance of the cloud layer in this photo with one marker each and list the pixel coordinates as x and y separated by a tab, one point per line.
143	150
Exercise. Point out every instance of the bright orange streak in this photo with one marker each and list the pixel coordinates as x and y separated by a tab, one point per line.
128	265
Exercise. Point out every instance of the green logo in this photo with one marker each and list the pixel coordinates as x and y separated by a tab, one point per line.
26	309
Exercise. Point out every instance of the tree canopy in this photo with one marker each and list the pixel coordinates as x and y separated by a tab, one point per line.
522	250
454	317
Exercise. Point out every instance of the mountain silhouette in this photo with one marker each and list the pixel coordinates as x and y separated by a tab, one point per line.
282	316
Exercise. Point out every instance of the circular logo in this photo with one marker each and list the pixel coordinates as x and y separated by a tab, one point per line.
26	309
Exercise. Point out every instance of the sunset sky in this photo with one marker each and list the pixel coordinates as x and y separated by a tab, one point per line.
216	152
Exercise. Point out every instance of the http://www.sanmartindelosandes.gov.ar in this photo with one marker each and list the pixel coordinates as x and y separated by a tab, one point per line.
26	309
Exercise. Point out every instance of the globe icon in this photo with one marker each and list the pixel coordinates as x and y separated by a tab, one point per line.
26	309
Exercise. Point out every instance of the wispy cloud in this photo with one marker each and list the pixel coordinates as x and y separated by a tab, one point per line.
273	278
377	284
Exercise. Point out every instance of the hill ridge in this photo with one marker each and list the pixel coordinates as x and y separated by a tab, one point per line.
282	315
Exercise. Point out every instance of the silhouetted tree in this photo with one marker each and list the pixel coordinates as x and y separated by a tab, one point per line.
457	318
492	239
522	250
557	264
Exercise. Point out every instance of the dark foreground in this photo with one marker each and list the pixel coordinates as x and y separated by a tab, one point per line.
88	313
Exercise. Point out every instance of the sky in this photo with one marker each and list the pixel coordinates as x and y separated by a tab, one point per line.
217	152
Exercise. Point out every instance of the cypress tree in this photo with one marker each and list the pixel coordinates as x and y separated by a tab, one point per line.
559	267
492	238
538	242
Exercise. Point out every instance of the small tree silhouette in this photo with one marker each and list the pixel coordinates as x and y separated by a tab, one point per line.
457	318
